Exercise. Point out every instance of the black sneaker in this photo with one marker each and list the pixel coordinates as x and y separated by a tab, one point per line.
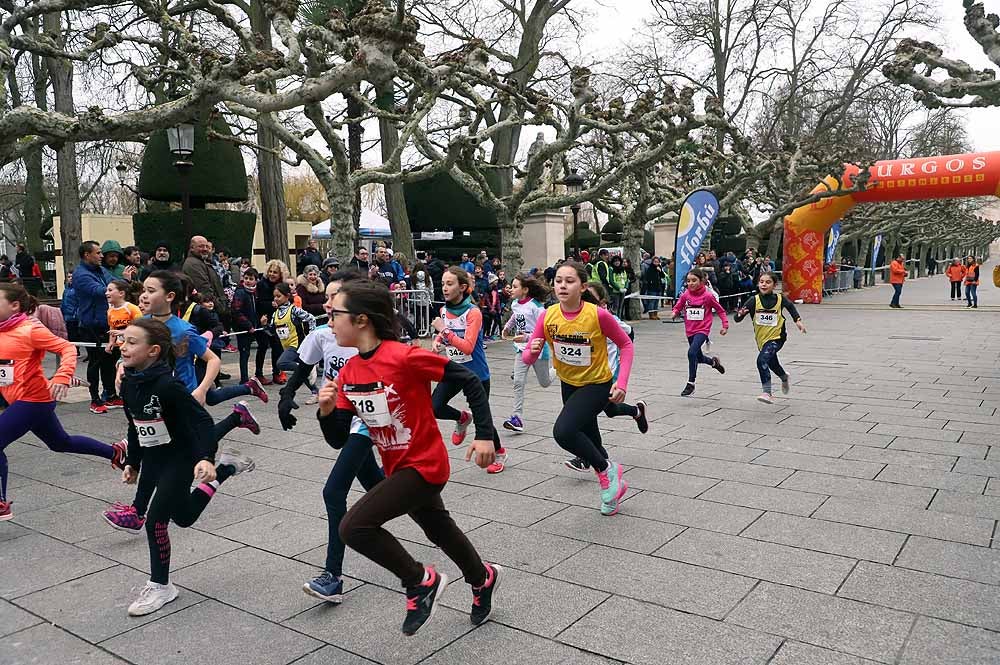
717	366
577	464
482	598
640	417
422	599
688	390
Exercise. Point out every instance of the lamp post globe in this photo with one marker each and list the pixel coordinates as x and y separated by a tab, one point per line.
181	141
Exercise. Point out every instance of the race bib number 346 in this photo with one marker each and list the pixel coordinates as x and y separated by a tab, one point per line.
767	319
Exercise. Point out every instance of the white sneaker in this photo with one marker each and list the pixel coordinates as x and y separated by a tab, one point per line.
237	461
151	598
765	398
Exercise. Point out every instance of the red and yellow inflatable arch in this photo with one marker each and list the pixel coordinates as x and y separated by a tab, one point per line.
951	176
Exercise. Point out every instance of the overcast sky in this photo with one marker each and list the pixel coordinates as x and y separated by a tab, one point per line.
615	22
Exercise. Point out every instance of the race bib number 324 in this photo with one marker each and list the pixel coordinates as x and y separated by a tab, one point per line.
577	355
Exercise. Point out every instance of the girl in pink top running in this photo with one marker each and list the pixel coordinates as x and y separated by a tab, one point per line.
699	304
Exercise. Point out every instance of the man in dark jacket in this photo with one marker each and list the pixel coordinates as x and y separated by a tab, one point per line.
309	256
198	268
159	261
24	262
435	269
360	260
90	280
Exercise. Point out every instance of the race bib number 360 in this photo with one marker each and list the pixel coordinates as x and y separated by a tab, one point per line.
371	404
767	319
6	372
152	433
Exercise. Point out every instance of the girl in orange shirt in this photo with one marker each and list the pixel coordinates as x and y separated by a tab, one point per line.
32	397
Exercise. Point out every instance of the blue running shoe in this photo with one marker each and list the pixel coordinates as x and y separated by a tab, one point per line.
326	587
613	488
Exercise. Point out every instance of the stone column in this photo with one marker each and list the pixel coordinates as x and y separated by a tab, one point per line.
665	234
543	238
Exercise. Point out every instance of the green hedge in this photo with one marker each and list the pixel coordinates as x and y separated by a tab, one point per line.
228	229
441	204
218	174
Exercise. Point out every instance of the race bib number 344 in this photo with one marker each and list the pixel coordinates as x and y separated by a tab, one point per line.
695	314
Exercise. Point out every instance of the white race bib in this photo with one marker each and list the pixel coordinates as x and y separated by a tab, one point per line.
768	319
282	332
455	354
152	432
371	406
575	354
695	314
6	372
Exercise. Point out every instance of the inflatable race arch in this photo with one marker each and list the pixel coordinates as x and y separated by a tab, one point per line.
950	176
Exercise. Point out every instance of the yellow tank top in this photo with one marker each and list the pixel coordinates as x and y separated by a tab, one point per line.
284	328
579	349
767	323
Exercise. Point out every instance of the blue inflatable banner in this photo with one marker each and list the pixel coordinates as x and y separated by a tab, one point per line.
831	245
698	213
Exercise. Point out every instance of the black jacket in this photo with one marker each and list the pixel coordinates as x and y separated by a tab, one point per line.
154	394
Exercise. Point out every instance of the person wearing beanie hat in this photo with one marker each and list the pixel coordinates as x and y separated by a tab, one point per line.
331	264
158	260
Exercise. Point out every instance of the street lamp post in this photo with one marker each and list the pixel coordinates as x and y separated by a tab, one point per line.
122	170
574	183
181	140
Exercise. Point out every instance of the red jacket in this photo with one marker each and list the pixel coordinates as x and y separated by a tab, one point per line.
897	272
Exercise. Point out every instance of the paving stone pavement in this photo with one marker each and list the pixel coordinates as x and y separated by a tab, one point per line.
854	521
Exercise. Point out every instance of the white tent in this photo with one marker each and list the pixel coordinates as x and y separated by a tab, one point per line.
373	225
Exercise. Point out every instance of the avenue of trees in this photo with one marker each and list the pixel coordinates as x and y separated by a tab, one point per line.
756	100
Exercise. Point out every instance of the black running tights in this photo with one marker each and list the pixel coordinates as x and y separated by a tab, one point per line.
576	429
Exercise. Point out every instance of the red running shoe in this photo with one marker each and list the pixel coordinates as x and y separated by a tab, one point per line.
264	381
98	408
118	459
461	429
257	389
115	403
5	512
281	378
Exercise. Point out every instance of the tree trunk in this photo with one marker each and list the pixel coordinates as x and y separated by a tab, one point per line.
273	214
774	242
354	132
71	225
511	243
395	201
864	248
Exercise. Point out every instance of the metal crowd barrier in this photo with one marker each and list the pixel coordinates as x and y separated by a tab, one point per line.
416	306
842	280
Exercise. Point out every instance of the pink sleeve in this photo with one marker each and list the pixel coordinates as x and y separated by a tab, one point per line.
527	356
721	311
679	305
613	331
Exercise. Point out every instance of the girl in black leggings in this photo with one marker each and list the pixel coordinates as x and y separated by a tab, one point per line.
577	331
170	439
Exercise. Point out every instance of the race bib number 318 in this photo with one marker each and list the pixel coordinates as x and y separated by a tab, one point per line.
371	404
6	372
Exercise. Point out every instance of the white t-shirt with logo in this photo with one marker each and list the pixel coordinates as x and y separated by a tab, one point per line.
321	346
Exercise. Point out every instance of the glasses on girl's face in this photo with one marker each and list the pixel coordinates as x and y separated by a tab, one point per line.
334	312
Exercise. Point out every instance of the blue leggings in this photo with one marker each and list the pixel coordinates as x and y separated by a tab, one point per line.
39	418
695	356
355	460
767	361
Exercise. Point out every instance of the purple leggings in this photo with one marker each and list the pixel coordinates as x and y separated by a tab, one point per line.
39	418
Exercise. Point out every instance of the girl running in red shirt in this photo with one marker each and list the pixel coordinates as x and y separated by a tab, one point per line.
388	385
32	397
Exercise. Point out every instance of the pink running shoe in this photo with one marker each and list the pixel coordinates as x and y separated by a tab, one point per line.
124	518
257	389
247	421
461	429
